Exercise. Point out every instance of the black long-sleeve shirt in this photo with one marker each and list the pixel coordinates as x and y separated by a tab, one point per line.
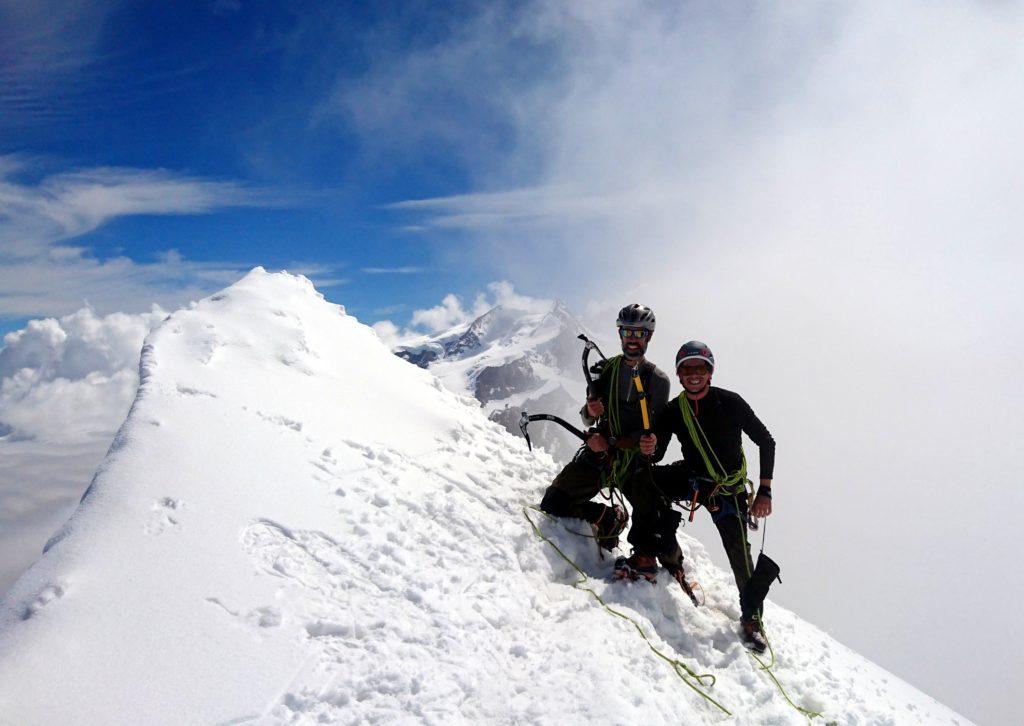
656	387
723	416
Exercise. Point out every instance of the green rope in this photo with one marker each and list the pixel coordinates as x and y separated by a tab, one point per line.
811	715
613	396
685	673
729	483
622	459
767	668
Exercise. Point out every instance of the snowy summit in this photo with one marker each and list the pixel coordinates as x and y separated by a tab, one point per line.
512	358
295	525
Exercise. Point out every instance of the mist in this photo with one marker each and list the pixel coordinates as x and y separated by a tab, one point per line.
827	194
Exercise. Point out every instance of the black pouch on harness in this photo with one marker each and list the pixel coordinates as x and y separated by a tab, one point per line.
756	589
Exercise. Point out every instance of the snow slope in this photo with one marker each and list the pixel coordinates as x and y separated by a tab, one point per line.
295	526
513	359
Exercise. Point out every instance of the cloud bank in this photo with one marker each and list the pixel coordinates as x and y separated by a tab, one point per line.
65	386
71	379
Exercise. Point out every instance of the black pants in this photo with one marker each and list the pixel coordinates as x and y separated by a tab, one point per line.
571	491
655	522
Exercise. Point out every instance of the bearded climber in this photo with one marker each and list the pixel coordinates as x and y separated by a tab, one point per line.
613	453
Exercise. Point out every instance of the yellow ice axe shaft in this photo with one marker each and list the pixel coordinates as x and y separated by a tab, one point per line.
643	399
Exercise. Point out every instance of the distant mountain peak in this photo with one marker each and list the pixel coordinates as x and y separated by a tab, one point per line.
511	360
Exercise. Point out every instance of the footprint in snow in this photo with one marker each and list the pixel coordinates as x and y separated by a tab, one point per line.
194	391
308	557
43	598
165	514
265	617
281	421
207	349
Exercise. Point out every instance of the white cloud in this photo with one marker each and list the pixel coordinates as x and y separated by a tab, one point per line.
70	204
452	312
407	270
67	278
71	379
446	315
388	332
65	386
661	128
526	207
504	294
450	94
42	273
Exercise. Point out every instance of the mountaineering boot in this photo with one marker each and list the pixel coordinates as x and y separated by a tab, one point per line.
609	526
752	637
636	566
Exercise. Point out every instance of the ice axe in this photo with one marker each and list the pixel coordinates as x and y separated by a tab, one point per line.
588	370
526	418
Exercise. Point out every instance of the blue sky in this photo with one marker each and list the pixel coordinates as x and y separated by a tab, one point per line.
281	105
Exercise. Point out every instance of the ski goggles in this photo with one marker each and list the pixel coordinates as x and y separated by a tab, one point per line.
627	333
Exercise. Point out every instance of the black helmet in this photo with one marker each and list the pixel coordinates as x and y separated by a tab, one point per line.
636	316
695	350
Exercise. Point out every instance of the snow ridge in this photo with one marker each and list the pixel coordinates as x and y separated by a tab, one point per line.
296	526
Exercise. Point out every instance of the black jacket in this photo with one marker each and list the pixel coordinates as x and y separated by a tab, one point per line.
655	384
723	416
